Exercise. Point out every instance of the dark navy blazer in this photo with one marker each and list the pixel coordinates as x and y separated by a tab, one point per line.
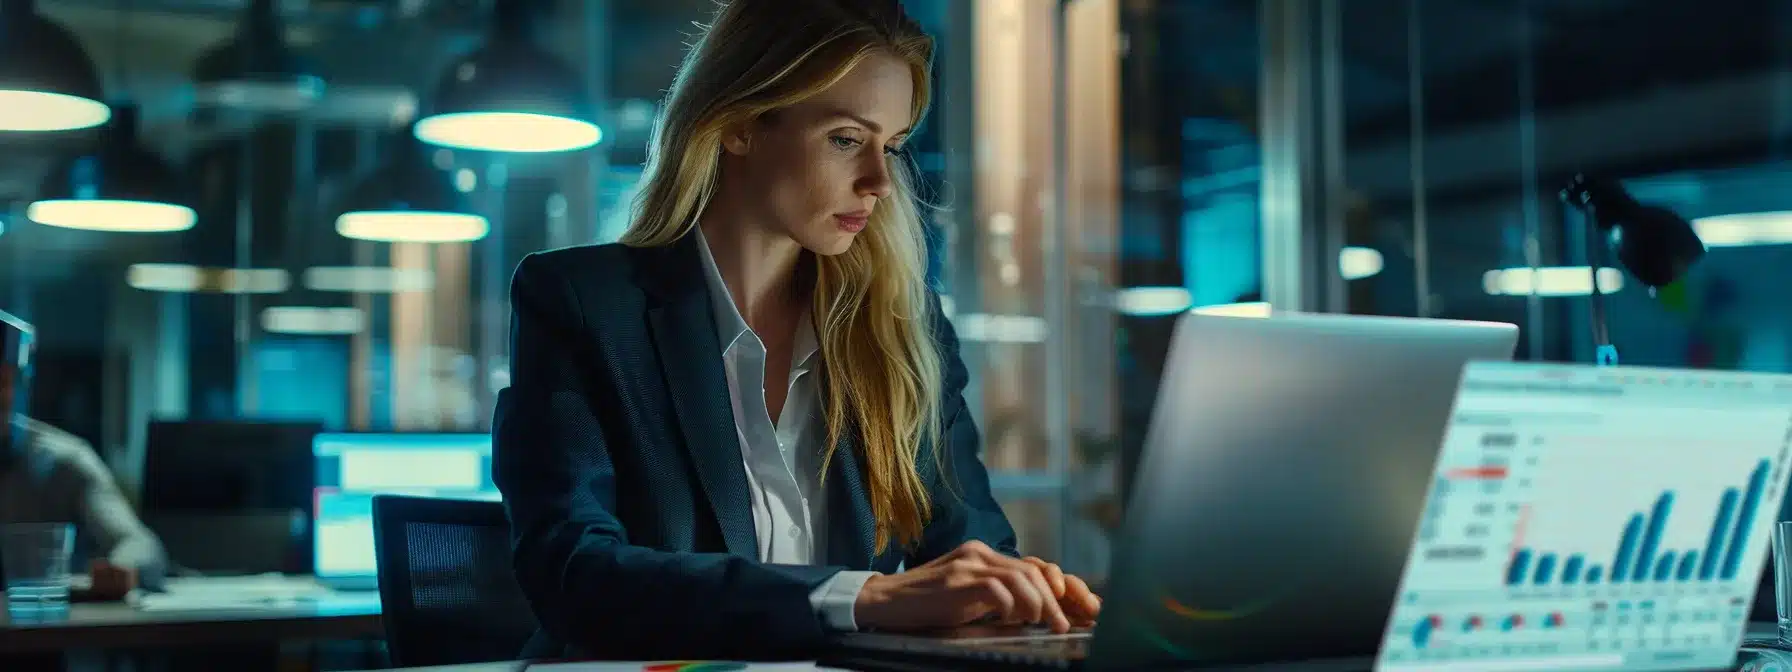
616	452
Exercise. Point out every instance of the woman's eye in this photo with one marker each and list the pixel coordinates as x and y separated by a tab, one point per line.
843	143
892	150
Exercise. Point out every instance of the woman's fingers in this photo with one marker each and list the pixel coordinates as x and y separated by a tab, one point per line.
1053	575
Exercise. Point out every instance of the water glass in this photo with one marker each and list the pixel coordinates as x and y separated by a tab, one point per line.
35	560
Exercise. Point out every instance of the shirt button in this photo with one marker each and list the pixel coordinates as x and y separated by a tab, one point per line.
794	533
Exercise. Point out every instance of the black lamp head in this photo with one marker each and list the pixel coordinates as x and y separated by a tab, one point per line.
37	55
406	182
119	168
511	95
1653	243
408	200
512	75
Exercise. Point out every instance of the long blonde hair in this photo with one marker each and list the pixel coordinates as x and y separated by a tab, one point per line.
881	364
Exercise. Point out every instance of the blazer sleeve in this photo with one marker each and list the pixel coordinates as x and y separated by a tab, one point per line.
963	506
589	586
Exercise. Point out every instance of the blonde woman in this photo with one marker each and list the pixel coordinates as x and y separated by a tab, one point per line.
725	434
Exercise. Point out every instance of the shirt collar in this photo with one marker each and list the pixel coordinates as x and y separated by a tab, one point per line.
731	326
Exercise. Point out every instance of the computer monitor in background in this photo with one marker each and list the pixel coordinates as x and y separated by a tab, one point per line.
228	466
353	467
16	341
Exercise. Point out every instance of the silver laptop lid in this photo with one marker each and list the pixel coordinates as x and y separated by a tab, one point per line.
1286	462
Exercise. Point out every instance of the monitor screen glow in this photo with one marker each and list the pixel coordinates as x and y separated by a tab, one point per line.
352	468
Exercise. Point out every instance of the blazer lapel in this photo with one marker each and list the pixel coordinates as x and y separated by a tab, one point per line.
852	536
684	332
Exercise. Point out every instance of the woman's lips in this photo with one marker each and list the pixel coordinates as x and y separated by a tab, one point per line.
852	223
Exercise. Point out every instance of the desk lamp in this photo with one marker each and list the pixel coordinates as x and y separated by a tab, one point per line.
1654	244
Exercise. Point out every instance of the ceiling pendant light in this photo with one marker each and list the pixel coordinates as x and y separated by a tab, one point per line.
120	186
409	200
47	83
510	95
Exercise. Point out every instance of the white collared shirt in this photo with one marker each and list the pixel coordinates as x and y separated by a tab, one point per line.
782	461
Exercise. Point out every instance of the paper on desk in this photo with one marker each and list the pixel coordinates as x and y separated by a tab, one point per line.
678	666
256	592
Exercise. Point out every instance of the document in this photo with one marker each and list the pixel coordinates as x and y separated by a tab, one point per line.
678	666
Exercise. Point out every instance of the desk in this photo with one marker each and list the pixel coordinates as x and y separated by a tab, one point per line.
205	611
472	667
1746	661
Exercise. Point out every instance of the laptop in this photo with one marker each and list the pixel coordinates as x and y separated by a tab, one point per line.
353	467
1585	518
1285	464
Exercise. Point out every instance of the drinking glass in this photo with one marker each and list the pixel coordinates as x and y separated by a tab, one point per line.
1782	578
35	560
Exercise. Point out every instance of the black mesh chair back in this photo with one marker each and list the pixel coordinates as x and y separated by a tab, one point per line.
447	592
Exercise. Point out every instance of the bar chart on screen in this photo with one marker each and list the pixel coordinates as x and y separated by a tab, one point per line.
1591	533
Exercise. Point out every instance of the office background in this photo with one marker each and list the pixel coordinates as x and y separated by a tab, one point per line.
1097	167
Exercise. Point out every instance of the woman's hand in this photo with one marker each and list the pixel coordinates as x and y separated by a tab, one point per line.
1075	599
975	583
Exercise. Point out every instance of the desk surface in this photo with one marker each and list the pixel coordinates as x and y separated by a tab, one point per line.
1755	630
202	611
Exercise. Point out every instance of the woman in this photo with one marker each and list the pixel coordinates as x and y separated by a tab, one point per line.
725	435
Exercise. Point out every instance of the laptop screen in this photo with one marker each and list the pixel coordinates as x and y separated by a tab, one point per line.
1587	518
352	468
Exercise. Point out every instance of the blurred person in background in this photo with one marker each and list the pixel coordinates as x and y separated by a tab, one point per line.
725	435
50	476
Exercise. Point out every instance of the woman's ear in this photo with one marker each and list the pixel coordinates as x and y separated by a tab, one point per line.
739	140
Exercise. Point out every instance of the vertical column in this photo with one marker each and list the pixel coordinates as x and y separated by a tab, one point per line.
492	315
411	336
1088	273
150	330
595	15
361	348
1300	116
242	311
1014	246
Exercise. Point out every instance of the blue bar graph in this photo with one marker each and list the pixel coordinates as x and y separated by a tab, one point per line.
1421	631
1546	569
1571	569
1664	566
1521	563
1627	548
1645	557
1689	563
1745	518
1640	557
1714	547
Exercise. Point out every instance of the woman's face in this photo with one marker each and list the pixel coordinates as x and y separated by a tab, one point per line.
816	170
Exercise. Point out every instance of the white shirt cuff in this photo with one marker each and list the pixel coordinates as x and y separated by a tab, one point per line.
835	598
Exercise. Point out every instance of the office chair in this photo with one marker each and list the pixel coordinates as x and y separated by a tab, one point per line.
447	593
